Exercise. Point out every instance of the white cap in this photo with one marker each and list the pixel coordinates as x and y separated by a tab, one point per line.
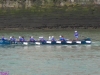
19	36
75	31
60	36
52	36
41	37
10	36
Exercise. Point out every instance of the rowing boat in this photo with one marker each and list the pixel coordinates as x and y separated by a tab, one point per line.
48	42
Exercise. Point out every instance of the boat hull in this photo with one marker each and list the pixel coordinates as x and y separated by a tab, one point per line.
48	42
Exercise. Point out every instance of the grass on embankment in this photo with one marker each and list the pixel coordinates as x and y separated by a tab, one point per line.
70	10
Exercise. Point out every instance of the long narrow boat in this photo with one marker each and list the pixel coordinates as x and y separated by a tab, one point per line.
48	42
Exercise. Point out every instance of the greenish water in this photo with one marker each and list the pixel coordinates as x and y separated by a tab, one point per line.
51	60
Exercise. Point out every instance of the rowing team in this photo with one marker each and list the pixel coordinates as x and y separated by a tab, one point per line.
22	39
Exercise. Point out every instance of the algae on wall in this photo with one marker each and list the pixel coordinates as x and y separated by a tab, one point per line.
48	14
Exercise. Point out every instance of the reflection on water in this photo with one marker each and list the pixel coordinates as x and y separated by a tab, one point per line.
50	60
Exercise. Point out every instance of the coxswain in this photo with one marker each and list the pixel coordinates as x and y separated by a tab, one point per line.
76	35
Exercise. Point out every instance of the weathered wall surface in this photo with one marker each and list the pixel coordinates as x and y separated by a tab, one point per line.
47	22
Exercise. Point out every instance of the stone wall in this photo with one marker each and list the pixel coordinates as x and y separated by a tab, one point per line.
48	22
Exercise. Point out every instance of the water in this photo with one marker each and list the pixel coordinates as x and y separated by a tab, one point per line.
51	60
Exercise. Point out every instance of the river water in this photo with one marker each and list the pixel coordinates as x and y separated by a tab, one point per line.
52	60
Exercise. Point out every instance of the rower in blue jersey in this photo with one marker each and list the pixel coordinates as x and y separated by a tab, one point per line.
3	38
62	38
42	39
32	39
21	39
76	35
53	39
12	39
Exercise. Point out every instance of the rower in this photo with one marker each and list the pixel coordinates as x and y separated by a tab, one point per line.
12	39
21	39
3	38
62	38
76	35
42	39
32	39
53	39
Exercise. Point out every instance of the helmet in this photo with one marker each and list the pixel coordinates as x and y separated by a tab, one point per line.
75	31
10	36
49	36
41	37
19	36
60	36
52	36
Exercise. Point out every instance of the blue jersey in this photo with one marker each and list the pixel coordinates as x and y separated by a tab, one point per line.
42	39
62	39
3	38
12	39
53	39
76	34
21	39
32	39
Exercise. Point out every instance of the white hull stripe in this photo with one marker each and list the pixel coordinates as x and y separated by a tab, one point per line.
79	42
69	41
48	41
58	41
37	43
88	41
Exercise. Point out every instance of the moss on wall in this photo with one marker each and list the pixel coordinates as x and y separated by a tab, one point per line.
53	17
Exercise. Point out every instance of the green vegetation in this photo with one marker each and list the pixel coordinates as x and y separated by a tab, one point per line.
50	7
48	14
70	10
